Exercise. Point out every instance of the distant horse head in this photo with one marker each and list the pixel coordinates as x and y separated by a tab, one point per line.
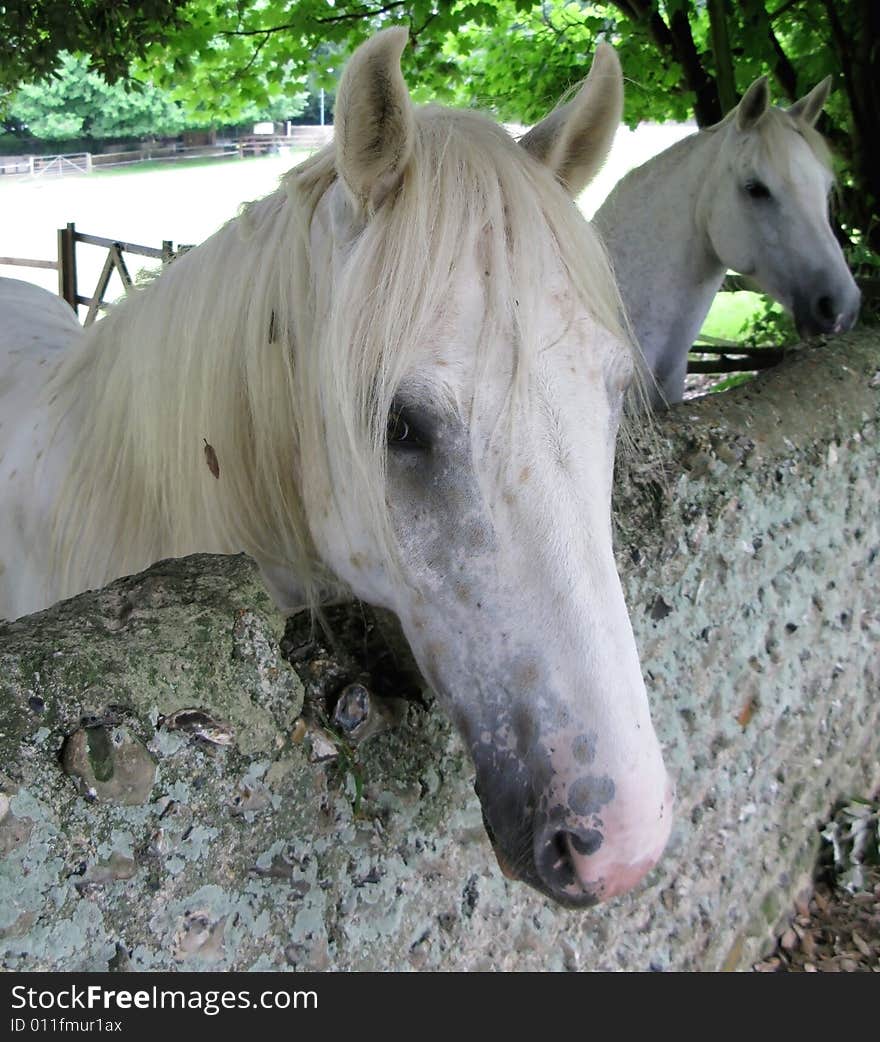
764	204
409	366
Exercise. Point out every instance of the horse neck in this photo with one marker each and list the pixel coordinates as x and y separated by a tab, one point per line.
664	262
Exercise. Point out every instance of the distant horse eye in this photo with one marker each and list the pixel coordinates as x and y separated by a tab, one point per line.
757	190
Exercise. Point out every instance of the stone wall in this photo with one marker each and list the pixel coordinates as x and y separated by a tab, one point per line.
133	835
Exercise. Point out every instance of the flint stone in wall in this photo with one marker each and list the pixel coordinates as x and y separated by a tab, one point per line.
159	810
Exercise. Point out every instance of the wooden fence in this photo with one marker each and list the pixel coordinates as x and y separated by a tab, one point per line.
28	262
87	162
67	274
299	138
306	137
65	265
158	154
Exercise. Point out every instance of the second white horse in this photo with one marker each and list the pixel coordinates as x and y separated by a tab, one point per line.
749	195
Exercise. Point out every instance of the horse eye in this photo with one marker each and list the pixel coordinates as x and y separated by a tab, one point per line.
757	190
398	429
403	432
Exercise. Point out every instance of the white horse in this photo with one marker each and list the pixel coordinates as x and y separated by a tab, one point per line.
400	377
750	195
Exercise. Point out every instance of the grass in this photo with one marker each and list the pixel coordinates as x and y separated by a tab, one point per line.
729	313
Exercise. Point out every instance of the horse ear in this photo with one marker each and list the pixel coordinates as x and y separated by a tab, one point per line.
753	104
810	105
374	120
575	139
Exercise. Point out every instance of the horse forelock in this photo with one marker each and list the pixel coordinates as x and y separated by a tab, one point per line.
287	369
771	139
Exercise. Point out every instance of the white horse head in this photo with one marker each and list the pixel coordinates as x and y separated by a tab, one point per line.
503	395
410	368
764	204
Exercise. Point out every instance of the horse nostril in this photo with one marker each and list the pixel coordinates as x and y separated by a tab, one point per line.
826	310
556	854
585	843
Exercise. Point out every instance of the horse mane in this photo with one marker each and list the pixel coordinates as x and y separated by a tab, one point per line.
287	371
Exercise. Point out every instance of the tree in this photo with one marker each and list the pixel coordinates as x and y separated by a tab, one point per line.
682	58
79	103
124	42
34	33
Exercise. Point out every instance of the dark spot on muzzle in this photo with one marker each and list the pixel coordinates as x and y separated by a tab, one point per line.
590	794
583	748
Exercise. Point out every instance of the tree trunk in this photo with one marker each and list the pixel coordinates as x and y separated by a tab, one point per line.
724	74
675	42
856	47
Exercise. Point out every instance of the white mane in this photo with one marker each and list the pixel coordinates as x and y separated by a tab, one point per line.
287	370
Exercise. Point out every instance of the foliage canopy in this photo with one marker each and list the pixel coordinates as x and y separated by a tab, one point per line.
682	58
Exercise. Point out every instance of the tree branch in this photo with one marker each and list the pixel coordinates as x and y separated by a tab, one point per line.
708	106
415	33
364	12
628	9
247	68
784	72
842	46
267	32
649	15
345	16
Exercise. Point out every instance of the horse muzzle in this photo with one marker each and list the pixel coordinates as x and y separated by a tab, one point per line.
827	312
577	859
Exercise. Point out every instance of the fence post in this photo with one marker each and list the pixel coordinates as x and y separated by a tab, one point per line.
88	162
67	266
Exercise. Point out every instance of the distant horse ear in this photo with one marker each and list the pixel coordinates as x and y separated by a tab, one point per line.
753	104
374	121
575	139
810	105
